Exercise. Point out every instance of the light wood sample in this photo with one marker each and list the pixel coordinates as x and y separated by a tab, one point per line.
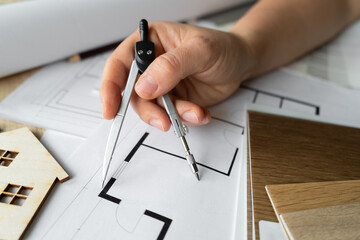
288	150
287	198
335	222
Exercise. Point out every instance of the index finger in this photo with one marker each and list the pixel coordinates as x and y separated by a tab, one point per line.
115	74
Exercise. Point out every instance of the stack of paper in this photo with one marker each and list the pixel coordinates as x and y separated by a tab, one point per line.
337	62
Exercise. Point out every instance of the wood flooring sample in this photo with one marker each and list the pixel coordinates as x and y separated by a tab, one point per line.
288	150
336	222
287	198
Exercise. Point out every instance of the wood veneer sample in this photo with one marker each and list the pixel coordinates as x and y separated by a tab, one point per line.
287	198
335	222
289	150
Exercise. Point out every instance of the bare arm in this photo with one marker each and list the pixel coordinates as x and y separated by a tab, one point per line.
202	67
279	31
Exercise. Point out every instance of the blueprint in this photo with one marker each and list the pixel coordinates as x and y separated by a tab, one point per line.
63	96
152	194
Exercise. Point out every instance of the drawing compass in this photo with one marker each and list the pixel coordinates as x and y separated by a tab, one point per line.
144	55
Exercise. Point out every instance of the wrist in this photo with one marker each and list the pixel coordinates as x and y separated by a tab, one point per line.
248	55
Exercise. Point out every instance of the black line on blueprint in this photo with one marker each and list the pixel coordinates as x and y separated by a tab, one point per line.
138	144
279	96
232	162
169	153
103	193
198	163
213	169
281	102
165	220
231	123
255	96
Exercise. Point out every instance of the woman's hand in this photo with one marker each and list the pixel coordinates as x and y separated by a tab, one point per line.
199	67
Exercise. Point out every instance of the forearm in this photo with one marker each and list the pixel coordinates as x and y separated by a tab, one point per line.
279	31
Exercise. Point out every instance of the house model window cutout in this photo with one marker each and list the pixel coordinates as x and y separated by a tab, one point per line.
6	157
27	174
15	194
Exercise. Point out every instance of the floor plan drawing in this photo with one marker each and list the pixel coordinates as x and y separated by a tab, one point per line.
153	170
67	98
151	193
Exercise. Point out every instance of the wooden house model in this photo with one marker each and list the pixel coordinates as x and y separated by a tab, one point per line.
27	174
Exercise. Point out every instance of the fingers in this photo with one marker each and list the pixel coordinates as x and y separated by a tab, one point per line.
192	114
115	75
165	72
153	113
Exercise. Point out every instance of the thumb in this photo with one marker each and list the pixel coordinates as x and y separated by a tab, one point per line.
167	70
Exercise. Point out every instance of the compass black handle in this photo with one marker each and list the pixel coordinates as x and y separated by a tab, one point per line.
144	49
144	29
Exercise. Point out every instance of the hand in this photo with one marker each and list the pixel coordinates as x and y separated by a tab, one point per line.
199	67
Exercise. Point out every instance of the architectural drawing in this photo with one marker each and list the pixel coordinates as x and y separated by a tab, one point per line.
114	207
67	98
127	204
283	102
166	221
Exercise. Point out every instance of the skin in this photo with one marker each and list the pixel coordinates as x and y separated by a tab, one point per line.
202	67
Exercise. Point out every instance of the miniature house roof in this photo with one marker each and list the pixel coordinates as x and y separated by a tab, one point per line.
28	172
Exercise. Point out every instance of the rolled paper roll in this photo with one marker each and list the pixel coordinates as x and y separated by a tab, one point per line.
33	33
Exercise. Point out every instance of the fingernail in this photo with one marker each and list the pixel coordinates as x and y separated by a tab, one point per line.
190	116
146	85
205	120
157	123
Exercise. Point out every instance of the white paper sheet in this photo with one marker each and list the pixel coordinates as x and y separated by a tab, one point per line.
157	192
154	192
337	61
271	231
61	146
34	33
63	96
